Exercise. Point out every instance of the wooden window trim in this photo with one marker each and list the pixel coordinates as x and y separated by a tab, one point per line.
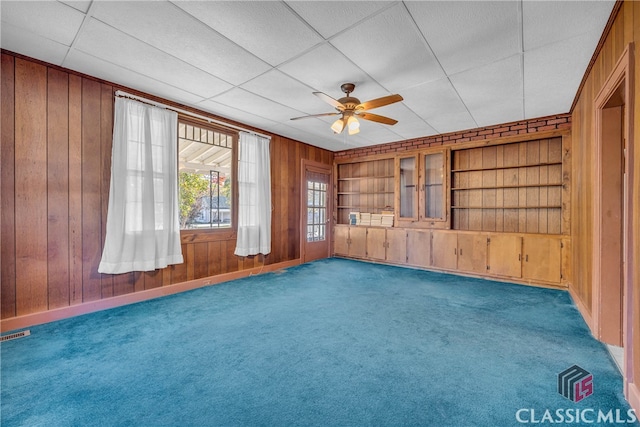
216	234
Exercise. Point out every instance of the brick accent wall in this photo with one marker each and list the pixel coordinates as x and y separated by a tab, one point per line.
560	121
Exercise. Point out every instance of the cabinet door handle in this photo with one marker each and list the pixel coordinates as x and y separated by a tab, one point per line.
455	251
526	258
460	251
519	257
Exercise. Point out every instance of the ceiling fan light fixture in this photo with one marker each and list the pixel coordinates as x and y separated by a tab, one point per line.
353	124
337	126
350	109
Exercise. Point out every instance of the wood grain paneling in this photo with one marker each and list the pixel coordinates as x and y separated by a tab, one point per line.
31	186
56	165
7	189
91	187
623	32
76	264
58	188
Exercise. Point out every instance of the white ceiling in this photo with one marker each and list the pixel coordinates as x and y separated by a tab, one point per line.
458	64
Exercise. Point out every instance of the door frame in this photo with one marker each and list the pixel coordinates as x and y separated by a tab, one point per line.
324	169
621	77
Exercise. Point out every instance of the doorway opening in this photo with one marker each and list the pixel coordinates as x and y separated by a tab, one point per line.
612	219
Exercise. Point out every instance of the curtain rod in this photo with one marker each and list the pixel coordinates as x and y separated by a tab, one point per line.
188	113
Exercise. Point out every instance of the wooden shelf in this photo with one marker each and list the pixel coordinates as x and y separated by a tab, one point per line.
508	207
506	167
352	193
367	208
499	187
366	177
530	175
364	186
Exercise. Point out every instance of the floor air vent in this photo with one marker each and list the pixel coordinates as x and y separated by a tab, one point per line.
15	336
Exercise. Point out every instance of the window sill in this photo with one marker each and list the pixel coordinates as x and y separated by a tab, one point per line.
209	235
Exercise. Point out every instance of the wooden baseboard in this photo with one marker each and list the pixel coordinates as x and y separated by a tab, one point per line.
633	396
39	318
584	311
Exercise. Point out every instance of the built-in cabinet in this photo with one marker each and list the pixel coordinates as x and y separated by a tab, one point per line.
496	210
387	244
421	189
419	245
542	259
520	257
350	241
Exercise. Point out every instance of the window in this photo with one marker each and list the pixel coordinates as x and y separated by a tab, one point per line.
205	156
316	210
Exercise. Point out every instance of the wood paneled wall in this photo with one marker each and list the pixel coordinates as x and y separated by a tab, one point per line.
625	29
56	161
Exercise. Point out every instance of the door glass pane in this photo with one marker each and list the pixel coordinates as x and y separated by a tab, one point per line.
434	179
316	210
407	187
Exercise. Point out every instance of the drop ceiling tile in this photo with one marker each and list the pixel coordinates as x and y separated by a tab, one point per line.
18	40
438	104
409	125
330	17
51	20
325	69
251	103
108	71
81	5
236	115
492	93
370	133
111	45
466	34
285	90
183	37
390	49
451	121
412	129
328	141
268	29
547	22
552	74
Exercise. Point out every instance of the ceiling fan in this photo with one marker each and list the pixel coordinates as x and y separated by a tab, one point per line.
350	109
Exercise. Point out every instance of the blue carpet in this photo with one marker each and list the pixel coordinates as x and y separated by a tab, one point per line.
331	343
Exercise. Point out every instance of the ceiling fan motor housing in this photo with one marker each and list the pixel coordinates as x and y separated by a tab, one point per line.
349	102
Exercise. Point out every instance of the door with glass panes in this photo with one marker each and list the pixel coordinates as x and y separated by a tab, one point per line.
420	189
316	227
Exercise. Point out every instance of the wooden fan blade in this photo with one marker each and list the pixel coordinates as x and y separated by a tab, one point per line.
379	102
377	118
329	100
315	115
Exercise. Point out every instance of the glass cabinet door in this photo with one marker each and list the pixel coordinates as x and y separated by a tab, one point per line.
434	186
408	187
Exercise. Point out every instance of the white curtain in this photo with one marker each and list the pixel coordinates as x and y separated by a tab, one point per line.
143	229
254	194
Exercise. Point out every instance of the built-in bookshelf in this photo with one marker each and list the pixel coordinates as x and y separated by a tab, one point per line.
366	186
513	187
